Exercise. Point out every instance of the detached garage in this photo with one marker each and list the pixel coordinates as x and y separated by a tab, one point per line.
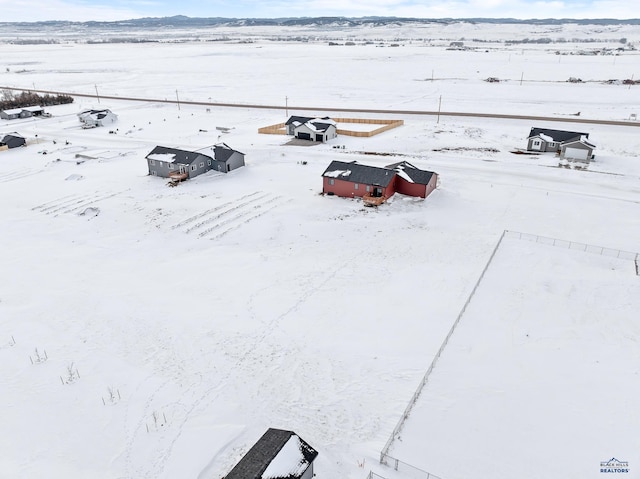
577	150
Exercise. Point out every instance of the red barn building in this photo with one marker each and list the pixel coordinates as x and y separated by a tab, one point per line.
351	179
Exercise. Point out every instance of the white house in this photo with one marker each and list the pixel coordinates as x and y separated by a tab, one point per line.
94	118
317	129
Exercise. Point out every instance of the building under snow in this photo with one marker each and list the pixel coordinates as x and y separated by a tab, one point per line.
376	184
312	129
95	118
182	164
278	454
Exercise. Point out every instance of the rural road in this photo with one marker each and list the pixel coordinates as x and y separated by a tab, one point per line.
571	119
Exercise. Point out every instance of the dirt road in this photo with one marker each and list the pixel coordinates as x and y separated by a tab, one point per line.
569	119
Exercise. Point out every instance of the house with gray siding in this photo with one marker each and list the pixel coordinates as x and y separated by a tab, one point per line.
278	454
545	139
176	163
11	140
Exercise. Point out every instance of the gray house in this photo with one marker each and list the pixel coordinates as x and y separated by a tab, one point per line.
182	164
12	140
278	454
544	139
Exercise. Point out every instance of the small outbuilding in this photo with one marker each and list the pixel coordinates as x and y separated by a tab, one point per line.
278	454
12	140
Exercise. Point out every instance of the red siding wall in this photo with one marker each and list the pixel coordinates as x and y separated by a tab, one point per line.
414	189
433	182
346	188
411	189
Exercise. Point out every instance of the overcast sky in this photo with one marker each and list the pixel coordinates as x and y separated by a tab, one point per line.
82	10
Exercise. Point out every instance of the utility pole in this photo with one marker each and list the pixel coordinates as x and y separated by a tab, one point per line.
178	100
97	94
521	77
286	106
439	107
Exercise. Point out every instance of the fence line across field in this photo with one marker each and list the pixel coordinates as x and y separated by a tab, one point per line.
387	459
574	245
384	454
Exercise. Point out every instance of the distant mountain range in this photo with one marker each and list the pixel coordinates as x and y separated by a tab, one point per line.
184	21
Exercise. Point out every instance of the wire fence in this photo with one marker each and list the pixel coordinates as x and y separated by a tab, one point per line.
373	475
387	459
574	245
384	455
404	467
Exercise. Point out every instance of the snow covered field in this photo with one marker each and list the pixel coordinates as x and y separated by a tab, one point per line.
180	323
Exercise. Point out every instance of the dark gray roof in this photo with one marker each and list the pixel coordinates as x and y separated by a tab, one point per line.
180	156
299	119
258	458
557	135
357	173
304	119
580	140
223	152
417	175
320	126
13	135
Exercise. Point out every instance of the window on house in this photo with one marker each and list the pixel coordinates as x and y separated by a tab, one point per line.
171	166
367	189
537	143
193	167
202	164
152	162
356	186
332	181
161	164
208	162
154	173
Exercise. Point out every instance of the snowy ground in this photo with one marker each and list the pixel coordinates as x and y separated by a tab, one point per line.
238	302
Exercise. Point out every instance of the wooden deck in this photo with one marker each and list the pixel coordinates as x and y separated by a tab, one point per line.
369	200
176	177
